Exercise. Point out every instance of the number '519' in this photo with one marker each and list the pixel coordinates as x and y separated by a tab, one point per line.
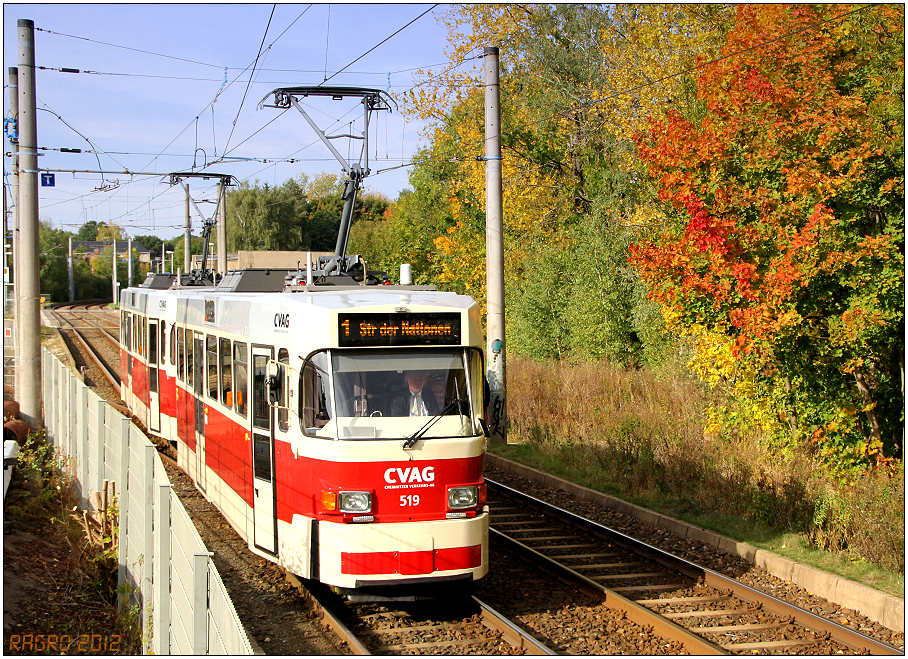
409	500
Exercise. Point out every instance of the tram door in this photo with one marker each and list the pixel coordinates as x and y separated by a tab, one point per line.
264	514
154	398
198	387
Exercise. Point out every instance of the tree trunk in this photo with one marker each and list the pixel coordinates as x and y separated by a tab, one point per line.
872	418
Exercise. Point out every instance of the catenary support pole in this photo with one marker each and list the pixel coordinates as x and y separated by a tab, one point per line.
222	227
113	274
70	275
128	264
186	233
495	345
28	286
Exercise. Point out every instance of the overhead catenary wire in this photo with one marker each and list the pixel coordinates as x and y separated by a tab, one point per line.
137	50
251	76
383	41
465	146
231	83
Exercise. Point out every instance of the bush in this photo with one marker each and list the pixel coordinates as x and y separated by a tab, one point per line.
866	519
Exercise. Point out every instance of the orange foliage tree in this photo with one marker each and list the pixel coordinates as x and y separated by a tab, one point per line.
787	200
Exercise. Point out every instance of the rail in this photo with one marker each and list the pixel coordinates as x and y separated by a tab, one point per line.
584	540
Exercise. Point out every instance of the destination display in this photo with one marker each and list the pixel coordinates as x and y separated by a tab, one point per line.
356	330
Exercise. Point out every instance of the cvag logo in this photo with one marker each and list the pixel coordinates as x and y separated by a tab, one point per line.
282	320
409	475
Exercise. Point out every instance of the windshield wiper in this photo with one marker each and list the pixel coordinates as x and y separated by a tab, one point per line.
412	439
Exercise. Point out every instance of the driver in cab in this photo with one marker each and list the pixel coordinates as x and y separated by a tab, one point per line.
415	400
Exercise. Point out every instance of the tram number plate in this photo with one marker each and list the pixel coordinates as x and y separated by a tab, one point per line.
397	329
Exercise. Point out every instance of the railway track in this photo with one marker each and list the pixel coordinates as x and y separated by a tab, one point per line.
79	325
705	611
467	626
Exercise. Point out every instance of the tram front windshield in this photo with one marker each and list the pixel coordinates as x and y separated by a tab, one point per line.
391	393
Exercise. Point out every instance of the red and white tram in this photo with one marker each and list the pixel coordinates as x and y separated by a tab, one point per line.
290	407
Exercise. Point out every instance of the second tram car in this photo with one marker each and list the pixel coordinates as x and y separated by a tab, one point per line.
292	409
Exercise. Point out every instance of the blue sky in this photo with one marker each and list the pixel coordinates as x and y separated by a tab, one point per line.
152	111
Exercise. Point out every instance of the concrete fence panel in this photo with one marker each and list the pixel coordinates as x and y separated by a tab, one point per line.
164	567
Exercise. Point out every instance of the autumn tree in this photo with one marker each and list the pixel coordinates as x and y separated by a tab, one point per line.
785	224
571	78
110	232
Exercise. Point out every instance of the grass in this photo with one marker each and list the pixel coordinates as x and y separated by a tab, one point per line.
639	437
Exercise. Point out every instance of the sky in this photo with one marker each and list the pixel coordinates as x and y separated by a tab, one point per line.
151	97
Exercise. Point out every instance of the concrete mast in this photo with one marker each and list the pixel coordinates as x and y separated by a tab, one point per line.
495	345
28	288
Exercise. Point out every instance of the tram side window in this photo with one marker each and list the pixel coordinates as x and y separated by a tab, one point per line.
283	412
153	345
226	385
261	411
211	350
180	355
190	365
315	394
173	334
239	377
163	342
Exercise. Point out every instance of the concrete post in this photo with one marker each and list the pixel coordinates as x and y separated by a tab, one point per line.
186	233
162	571
200	602
150	455
222	227
495	346
70	275
122	481
128	263
29	286
113	274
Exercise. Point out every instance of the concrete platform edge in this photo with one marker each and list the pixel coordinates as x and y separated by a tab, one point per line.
885	609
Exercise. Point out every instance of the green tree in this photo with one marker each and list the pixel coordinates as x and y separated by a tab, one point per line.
267	218
89	230
195	247
102	268
54	244
156	246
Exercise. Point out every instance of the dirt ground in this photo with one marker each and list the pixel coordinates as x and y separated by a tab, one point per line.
53	595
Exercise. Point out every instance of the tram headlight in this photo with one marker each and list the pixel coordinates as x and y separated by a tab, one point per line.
464	496
355	502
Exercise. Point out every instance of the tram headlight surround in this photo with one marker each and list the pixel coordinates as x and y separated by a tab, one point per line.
463	496
354	502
